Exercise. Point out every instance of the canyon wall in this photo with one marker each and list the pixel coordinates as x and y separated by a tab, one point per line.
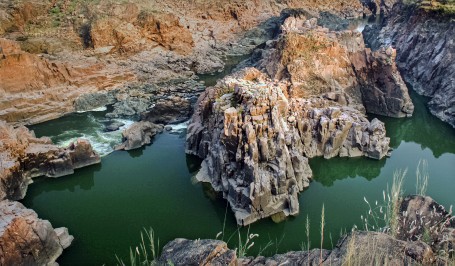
425	51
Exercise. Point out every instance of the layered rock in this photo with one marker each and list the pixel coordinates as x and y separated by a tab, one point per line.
36	89
27	240
424	53
336	63
255	129
134	42
358	248
23	157
256	139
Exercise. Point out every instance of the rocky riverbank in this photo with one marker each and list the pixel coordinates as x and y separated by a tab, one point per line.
426	236
425	51
306	97
24	238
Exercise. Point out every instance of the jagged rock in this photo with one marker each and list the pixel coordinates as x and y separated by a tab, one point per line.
256	128
23	157
337	64
198	252
27	240
424	53
255	140
114	126
171	110
421	218
357	248
138	135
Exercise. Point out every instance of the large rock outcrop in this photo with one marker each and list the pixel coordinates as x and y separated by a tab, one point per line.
256	139
425	52
27	240
35	89
357	248
256	128
23	157
337	64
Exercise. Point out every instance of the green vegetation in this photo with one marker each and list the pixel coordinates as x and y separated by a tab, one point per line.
439	7
147	253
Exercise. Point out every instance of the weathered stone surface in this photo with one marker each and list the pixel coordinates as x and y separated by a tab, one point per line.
138	135
255	129
422	218
27	240
425	52
23	157
198	252
337	64
255	140
171	110
357	248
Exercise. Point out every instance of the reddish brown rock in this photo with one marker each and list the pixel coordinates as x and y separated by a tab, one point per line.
23	157
27	240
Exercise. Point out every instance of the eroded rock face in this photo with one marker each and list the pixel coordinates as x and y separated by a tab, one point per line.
27	240
422	218
256	128
357	248
425	51
337	64
138	135
23	157
35	89
256	140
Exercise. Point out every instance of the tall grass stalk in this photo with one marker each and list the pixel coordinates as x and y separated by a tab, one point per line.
322	231
384	216
146	253
422	177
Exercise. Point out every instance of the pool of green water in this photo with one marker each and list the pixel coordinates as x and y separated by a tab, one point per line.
106	206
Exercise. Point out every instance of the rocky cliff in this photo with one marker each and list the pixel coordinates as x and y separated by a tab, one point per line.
83	51
23	157
256	129
27	240
425	51
410	247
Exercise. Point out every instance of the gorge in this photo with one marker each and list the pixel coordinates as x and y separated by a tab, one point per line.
309	95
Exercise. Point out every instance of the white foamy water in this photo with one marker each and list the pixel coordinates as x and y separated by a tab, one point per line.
99	109
180	127
102	142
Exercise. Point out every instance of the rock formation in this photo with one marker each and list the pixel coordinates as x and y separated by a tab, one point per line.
23	157
255	129
68	51
138	135
27	240
35	89
418	216
336	63
359	248
424	53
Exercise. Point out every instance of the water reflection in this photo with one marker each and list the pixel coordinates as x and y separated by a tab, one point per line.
340	168
422	128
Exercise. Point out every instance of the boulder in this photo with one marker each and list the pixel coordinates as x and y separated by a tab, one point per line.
138	135
27	240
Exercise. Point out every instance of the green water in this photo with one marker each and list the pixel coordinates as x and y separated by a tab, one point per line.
106	206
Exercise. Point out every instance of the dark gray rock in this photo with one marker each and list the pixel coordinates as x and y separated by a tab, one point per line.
114	126
425	51
197	252
138	135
